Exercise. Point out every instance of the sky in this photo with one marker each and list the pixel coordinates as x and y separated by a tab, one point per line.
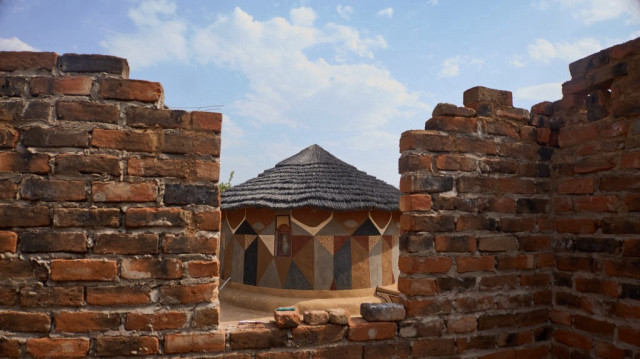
350	76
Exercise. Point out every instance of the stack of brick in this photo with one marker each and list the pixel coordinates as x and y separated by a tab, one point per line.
476	256
596	206
109	213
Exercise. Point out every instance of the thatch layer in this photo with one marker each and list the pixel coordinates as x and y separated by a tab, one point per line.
313	178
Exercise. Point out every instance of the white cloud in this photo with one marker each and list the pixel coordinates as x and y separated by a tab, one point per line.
160	36
543	50
15	44
303	16
451	66
388	12
517	61
543	92
432	2
345	12
593	11
288	87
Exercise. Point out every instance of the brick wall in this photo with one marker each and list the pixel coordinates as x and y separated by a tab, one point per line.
109	213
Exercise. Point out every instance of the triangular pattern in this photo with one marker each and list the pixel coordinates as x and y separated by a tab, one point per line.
269	242
332	228
270	229
373	241
323	273
387	268
350	221
338	242
265	257
304	260
235	218
249	276
282	265
327	242
296	230
380	219
360	277
298	242
295	279
342	267
367	228
245	228
392	229
375	262
363	241
270	277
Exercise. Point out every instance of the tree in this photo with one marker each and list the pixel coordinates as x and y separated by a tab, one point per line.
223	186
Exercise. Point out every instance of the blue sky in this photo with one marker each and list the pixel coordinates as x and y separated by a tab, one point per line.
350	76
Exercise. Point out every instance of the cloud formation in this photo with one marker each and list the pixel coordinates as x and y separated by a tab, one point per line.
345	12
451	66
15	44
594	11
550	91
388	12
543	50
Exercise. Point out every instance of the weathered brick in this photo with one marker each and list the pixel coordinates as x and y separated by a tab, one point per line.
384	350
497	243
153	167
86	112
444	284
156	217
118	296
8	189
188	294
187	243
126	346
39	296
81	217
420	327
349	351
475	264
32	216
207	121
429	223
382	312
416	183
465	324
596	204
75	242
188	143
81	322
535	280
573	339
191	194
52	190
603	245
130	90
38	111
65	85
24	162
427	141
306	335
206	316
631	248
157	268
203	269
475	95
135	141
156	321
361	330
206	170
28	322
150	117
447	109
207	220
455	244
9	348
8	137
94	63
287	317
194	343
92	163
428	347
576	186
257	336
124	243
614	183
593	326
409	162
25	60
123	191
621	225
18	268
452	124
413	265
455	163
499	282
55	137
623	267
8	297
58	347
13	86
576	225
83	270
534	243
515	262
8	241
495	185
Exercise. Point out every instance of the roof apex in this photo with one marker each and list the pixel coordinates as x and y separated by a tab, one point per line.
313	154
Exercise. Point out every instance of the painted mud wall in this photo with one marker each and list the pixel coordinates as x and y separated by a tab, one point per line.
330	250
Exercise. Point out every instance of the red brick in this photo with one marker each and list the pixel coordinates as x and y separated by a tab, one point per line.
124	243
461	325
576	225
8	137
134	141
385	350
80	217
361	330
609	351
533	243
413	265
560	317
298	354
117	296
596	285
257	336
207	121
415	202
455	163
630	160
8	241
455	244
80	322
594	326
474	222
502	205
29	322
8	296
453	124
535	280
194	343
153	167
632	200
500	127
497	244
86	112
479	94
433	347
8	189
495	185
477	342
614	183
58	347
186	243
126	346
426	140
53	242
187	294
596	204
417	286
573	339
546	260
623	268
65	85
475	264
156	321
349	351
200	269
207	170
156	217
207	220
9	348
55	137
83	270
631	248
306	335
627	310
124	191
499	281
52	190
161	118
563	204
18	268
187	143
38	296
204	317
503	354
424	307
92	163
24	60
592	165
583	185
574	135
629	335
130	90
157	268
24	162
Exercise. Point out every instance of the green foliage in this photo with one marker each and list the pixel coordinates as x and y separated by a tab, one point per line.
223	186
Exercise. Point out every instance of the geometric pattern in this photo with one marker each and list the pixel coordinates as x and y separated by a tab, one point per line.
329	250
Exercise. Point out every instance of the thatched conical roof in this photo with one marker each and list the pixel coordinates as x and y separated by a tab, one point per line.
313	178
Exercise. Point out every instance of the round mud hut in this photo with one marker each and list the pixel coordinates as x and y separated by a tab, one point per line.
313	222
